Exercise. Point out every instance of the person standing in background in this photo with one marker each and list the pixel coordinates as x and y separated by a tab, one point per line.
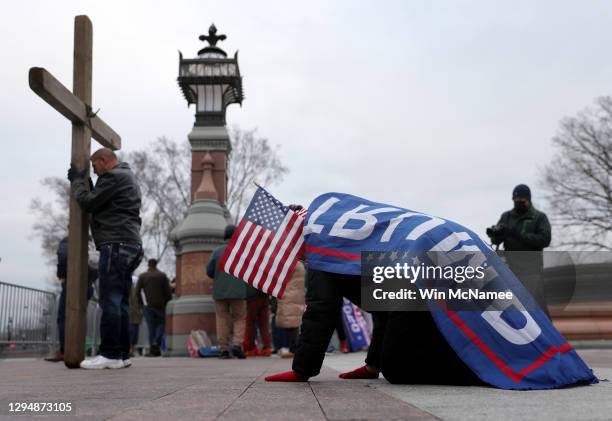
229	294
525	233
62	271
290	308
135	316
157	293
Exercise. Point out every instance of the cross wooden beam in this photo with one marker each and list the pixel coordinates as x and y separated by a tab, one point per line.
72	107
76	107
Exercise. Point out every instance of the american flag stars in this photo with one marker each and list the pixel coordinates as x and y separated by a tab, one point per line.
265	246
266	211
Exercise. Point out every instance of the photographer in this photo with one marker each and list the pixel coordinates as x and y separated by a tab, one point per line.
524	232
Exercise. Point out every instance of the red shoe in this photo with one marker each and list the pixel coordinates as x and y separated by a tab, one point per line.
344	347
359	373
266	352
252	352
288	376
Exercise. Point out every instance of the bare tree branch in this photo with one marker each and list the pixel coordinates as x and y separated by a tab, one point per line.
578	180
52	217
253	159
162	170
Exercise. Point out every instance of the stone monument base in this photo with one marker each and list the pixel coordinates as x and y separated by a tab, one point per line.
184	314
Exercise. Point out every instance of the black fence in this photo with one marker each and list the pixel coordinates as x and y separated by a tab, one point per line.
27	320
28	323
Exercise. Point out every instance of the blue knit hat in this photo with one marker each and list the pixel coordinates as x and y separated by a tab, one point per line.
522	191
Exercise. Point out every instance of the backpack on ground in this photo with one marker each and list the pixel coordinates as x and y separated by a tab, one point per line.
197	339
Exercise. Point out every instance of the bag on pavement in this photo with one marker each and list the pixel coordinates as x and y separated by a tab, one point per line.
197	339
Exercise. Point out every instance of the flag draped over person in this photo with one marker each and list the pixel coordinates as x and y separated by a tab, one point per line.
516	348
266	244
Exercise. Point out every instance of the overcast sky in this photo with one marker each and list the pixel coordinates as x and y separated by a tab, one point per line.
436	106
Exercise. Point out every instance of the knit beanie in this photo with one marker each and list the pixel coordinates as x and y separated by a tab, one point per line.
522	191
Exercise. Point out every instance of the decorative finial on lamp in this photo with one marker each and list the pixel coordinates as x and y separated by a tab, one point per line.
212	36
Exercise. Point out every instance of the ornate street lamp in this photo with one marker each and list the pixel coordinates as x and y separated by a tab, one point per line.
211	81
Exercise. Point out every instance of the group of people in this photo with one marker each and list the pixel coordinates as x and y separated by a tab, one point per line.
114	203
149	295
241	309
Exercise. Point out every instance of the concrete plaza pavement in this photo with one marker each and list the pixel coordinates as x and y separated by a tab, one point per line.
486	403
212	389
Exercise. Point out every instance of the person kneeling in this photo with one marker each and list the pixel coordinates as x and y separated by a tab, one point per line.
406	347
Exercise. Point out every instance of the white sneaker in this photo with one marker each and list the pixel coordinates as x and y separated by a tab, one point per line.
127	363
101	362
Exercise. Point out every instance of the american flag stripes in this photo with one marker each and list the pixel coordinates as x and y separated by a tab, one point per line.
266	244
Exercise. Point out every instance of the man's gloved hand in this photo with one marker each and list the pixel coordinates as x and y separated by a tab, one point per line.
295	208
74	174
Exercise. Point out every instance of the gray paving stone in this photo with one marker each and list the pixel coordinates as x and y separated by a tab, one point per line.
487	403
275	401
357	399
210	389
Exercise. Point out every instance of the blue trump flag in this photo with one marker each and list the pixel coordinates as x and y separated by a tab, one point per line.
511	348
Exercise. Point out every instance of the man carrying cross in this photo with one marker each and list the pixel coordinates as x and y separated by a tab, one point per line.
114	203
76	107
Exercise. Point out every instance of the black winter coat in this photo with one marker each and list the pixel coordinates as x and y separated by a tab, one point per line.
114	204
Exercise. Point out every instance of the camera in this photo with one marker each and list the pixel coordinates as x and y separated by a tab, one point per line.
497	231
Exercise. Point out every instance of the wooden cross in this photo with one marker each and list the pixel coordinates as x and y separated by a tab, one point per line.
76	107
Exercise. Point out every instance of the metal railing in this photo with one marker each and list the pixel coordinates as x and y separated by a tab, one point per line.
27	317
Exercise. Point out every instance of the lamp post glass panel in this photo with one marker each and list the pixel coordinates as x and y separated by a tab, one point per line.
211	81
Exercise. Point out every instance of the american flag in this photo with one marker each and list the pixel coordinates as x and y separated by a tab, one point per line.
266	244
